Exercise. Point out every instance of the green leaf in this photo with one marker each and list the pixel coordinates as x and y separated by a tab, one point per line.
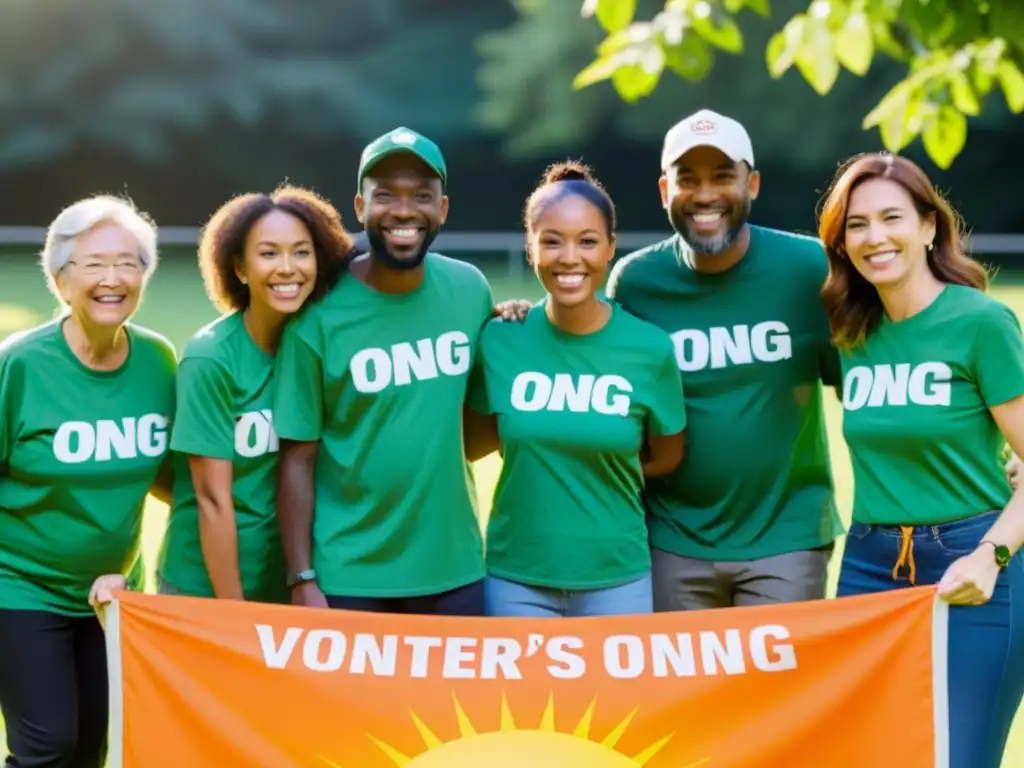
816	60
734	6
725	35
634	81
614	15
760	7
784	46
895	131
634	34
945	135
691	59
895	99
962	93
854	43
595	72
1012	80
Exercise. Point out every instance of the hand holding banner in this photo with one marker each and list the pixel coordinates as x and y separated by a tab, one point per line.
841	683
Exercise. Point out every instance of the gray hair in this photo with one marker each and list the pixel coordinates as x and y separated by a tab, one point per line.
82	216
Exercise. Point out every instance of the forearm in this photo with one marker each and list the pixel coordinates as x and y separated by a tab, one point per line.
218	538
1009	527
295	499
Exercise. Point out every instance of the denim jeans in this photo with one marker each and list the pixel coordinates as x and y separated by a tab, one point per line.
986	642
511	598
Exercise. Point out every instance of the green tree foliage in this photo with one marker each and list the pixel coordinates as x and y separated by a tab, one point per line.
136	77
955	54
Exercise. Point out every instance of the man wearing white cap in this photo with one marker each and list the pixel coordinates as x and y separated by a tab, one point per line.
749	517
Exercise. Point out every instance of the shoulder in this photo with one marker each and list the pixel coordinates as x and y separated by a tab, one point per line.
983	308
460	271
496	329
644	335
210	341
152	344
25	343
807	249
633	265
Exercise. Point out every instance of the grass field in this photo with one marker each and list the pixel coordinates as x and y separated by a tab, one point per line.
176	306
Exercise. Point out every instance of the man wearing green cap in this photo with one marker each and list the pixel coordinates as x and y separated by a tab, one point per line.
373	498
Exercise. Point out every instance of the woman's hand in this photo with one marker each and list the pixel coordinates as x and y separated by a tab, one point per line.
1013	470
102	592
971	579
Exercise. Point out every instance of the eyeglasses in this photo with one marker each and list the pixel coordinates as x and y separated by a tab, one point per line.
122	267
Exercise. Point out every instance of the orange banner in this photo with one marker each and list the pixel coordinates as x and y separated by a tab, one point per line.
852	683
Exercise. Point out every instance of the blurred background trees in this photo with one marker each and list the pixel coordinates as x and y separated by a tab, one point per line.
184	103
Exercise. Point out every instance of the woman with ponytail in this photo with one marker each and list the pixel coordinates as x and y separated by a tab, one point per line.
586	401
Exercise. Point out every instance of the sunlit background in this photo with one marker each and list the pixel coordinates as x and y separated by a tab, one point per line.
182	103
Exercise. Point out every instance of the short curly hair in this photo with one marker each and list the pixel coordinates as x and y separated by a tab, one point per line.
222	245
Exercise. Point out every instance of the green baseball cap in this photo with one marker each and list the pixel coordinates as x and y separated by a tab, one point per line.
402	140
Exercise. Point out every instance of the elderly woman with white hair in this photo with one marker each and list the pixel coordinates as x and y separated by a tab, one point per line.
85	404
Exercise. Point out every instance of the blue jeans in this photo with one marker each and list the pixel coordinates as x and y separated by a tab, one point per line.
510	598
986	642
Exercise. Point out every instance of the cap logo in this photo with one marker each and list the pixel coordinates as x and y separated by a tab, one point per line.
703	127
403	137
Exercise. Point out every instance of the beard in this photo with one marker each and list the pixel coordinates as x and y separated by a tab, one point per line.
702	245
379	250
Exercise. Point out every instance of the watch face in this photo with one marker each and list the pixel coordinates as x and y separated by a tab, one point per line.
1003	556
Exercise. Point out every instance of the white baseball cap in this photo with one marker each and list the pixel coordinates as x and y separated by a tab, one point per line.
707	129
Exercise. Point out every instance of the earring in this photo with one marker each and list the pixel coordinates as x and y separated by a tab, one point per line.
929	247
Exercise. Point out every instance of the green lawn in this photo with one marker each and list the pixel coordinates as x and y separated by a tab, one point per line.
176	306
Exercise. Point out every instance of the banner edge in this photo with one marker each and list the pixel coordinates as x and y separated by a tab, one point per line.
115	684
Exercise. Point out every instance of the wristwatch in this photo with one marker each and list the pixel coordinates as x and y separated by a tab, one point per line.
1002	553
302	577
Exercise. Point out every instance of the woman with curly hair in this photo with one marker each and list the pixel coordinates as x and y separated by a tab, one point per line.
262	257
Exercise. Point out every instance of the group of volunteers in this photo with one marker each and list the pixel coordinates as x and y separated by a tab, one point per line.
315	443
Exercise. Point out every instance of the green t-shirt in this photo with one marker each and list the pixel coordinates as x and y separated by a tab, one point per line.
225	402
753	346
572	413
79	451
380	380
916	400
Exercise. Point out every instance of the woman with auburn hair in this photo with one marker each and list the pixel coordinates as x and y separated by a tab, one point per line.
933	384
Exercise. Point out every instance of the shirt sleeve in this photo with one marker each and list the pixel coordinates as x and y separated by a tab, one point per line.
204	419
298	388
476	388
10	396
999	356
667	415
615	286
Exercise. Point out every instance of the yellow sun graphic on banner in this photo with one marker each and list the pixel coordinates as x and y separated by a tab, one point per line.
511	746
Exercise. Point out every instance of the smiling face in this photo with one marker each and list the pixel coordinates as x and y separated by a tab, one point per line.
708	198
570	249
885	237
278	263
102	280
402	207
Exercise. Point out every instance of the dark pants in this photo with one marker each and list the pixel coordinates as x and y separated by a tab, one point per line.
53	690
986	642
690	584
461	601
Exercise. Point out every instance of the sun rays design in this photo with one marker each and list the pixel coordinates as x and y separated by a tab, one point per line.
511	744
